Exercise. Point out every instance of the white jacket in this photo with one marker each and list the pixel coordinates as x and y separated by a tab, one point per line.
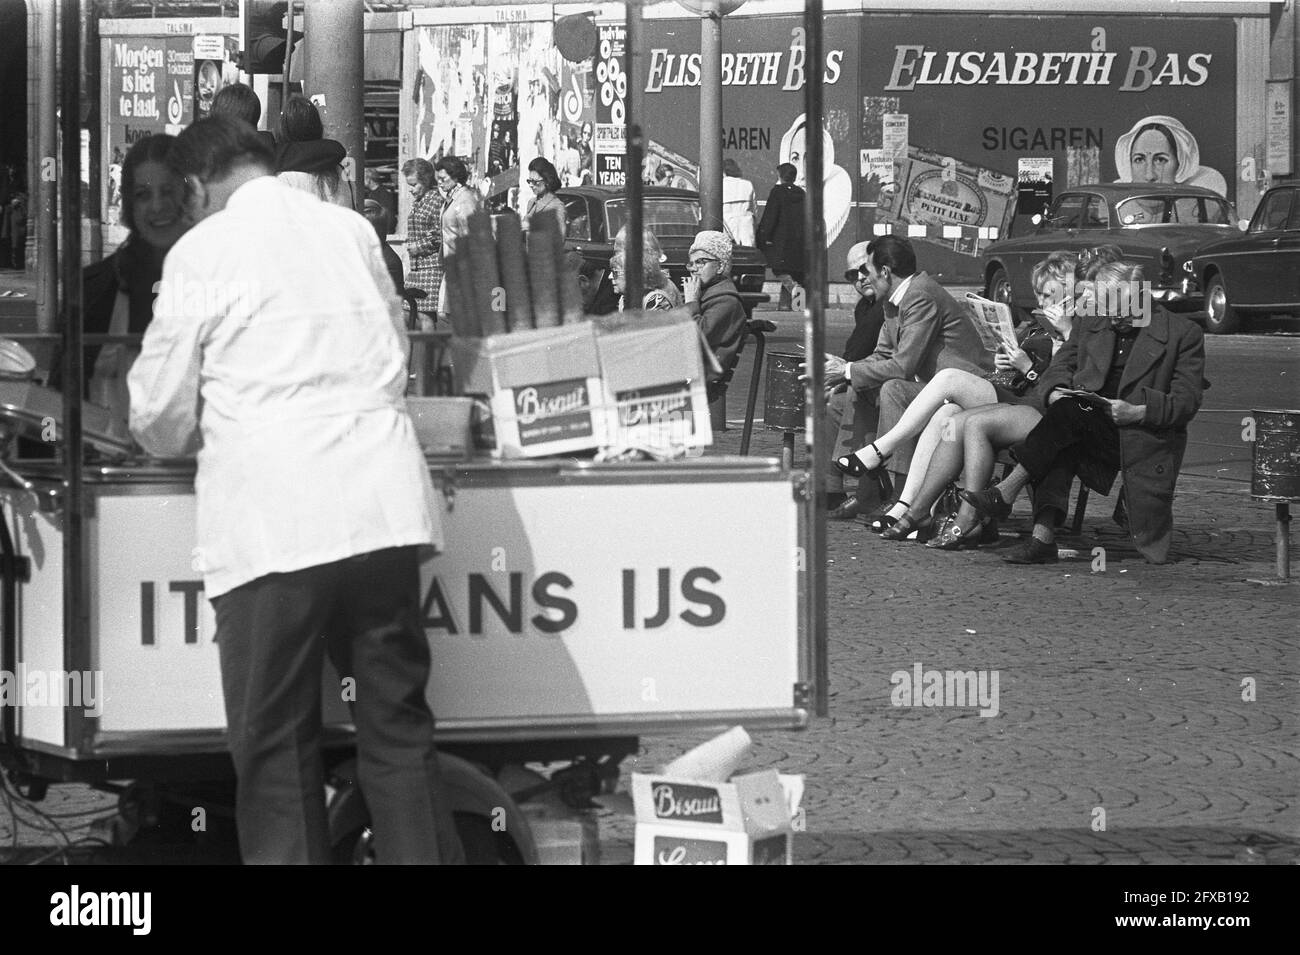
277	349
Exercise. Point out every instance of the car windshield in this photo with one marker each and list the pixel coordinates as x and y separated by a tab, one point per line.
667	217
1174	210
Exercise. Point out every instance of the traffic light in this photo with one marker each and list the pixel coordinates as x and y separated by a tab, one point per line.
264	36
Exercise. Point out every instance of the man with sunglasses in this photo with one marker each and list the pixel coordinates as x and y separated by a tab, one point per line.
845	430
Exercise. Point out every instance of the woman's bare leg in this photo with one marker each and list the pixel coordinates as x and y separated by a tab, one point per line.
944	465
936	433
986	430
948	385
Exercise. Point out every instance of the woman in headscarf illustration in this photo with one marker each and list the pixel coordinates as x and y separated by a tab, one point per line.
1162	149
837	187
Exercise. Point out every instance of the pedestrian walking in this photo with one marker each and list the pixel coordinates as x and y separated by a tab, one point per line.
739	207
781	234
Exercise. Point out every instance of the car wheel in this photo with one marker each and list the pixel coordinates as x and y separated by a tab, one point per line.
1220	317
999	287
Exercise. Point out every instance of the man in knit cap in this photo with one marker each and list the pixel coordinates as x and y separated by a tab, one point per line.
714	301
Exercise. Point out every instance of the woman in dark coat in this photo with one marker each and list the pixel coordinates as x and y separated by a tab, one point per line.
1120	395
715	304
781	233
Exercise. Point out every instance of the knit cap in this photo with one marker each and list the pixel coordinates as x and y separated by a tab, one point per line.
716	244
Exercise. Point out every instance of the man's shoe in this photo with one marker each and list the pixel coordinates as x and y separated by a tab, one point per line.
1032	551
846	511
987	503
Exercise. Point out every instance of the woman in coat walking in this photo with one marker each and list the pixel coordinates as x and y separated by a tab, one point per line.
781	233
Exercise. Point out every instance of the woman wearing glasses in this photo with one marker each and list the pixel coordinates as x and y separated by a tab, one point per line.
544	181
712	298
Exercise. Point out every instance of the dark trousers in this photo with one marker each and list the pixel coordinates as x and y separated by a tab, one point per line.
1070	435
273	634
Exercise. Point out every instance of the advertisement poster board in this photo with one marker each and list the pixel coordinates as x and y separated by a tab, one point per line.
611	106
491	93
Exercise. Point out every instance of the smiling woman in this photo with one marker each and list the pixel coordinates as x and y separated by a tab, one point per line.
119	291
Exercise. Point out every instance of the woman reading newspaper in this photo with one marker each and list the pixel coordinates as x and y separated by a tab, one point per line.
934	413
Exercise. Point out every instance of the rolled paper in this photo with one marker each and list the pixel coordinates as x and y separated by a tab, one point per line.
489	296
715	761
513	266
570	294
464	320
543	237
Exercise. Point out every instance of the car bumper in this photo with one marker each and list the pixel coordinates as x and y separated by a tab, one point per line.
1187	294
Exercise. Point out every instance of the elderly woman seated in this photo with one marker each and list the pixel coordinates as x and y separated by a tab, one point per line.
715	302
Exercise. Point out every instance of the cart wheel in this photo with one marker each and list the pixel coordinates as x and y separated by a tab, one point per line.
482	845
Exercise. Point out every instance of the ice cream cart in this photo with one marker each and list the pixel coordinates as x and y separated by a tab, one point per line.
578	605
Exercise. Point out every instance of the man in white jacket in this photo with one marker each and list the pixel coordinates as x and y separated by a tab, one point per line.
278	353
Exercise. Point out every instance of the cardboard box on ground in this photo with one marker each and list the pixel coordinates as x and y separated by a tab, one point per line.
695	812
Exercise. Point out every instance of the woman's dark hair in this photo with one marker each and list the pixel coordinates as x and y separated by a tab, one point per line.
895	252
543	168
238	100
731	168
149	149
300	121
210	148
1164	130
788	172
423	170
455	167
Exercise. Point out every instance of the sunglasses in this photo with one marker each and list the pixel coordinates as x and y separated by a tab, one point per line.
534	182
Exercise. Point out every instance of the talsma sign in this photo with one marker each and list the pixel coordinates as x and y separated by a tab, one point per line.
915	65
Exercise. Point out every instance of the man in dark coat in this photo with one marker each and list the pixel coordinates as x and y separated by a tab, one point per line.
845	429
1120	394
781	233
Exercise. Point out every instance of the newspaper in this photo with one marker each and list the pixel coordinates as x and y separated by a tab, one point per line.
994	323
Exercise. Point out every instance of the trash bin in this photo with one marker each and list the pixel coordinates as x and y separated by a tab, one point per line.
1275	474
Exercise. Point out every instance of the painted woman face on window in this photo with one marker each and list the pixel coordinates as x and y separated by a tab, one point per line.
1153	158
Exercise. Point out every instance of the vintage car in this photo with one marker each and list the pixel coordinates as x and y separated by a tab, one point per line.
1157	226
1257	272
595	215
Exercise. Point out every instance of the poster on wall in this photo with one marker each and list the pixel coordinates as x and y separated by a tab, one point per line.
1098	93
963	205
213	69
1034	185
611	108
764	69
491	94
148	91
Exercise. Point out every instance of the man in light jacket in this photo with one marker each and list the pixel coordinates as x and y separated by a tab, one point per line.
277	351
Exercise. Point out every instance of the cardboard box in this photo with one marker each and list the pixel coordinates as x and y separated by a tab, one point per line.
746	821
654	380
543	386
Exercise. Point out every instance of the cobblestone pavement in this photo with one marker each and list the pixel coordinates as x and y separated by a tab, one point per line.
1120	690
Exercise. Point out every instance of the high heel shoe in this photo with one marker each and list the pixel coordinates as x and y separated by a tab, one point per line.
909	528
952	536
881	519
852	465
